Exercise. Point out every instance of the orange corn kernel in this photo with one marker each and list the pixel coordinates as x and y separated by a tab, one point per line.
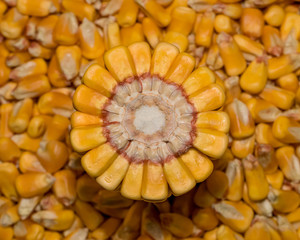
232	10
155	11
52	155
242	147
275	179
217	184
151	31
69	60
281	98
20	116
241	121
112	36
290	25
64	186
248	45
274	15
31	68
202	197
55	103
57	128
284	201
10	216
17	58
235	175
29	162
5	112
45	30
182	20
31	87
252	22
55	74
9	174
91	42
80	8
128	13
107	229
9	151
4	71
232	57
177	39
66	29
288	82
35	7
132	34
266	157
263	134
205	29
272	41
205	219
13	23
33	184
224	23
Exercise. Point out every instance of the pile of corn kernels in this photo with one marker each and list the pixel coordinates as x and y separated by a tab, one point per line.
252	47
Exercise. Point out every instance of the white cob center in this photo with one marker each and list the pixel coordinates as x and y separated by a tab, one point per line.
149	119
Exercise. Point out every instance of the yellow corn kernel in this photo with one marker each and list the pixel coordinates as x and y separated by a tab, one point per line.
262	111
20	116
112	36
31	27
64	186
9	173
4	71
25	142
90	217
35	8
211	142
288	82
177	39
205	218
223	23
128	13
288	162
284	201
279	97
80	8
69	60
154	185
287	231
9	151
19	44
178	175
33	184
205	29
7	89
52	155
92	165
3	8
232	89
31	87
119	62
45	30
57	128
132	34
241	121
78	233
29	162
86	188
178	225
293	216
214	60
217	120
132	182
17	58
259	231
183	204
248	45
176	3
55	103
199	165
155	11
181	68
202	197
79	119
56	220
37	126
66	29
13	23
55	74
232	56
182	20
199	79
91	42
217	184
224	233
266	157
286	130
232	10
254	79
31	68
106	230
272	41
151	31
275	179
290	25
50	202
278	67
242	147
274	15
263	134
236	215
6	233
141	55
252	22
255	176
35	231
9	216
235	175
